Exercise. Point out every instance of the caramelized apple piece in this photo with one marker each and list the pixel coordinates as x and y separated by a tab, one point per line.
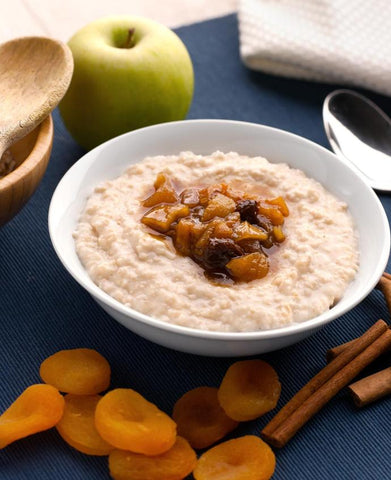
204	239
280	203
161	217
246	231
182	239
164	192
218	206
272	212
248	267
222	230
278	234
190	197
208	193
232	219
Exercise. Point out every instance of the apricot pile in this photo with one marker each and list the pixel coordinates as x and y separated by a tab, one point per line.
225	231
141	441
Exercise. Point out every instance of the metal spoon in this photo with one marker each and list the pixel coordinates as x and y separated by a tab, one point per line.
359	132
35	73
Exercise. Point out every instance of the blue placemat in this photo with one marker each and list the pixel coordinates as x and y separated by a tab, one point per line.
44	310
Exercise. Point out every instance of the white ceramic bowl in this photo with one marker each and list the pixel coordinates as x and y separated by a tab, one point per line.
110	159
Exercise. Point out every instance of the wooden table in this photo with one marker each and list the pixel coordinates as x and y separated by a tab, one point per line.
59	19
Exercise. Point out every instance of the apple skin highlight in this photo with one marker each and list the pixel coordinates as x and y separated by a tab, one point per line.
116	88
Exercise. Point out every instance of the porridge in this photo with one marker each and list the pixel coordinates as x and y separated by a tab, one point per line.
309	246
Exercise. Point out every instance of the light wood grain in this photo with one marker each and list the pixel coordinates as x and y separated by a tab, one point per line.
32	155
59	19
35	73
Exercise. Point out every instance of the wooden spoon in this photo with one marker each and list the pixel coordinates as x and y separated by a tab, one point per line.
35	73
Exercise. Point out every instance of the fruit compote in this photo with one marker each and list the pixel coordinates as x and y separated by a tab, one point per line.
224	230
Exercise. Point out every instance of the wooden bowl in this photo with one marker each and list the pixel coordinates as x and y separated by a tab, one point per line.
31	155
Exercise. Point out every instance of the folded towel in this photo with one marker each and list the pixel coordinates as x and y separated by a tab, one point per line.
336	41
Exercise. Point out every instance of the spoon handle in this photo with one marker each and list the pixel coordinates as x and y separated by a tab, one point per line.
35	73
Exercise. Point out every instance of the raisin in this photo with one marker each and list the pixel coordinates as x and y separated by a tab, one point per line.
248	210
218	252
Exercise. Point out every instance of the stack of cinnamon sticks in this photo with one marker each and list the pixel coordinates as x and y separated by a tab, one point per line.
345	363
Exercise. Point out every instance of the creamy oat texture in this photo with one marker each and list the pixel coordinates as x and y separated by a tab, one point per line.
309	272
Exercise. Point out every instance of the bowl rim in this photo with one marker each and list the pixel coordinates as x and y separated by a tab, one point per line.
35	157
285	331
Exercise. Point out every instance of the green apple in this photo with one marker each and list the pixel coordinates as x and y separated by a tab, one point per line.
129	72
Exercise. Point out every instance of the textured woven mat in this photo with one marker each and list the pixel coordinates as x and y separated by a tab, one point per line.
44	310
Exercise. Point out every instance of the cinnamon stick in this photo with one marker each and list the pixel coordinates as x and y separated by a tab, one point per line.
387	275
372	388
327	383
384	285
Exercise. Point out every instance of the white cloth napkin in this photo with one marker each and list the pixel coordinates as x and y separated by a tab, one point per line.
338	41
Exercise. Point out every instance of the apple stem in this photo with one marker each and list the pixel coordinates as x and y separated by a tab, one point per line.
129	41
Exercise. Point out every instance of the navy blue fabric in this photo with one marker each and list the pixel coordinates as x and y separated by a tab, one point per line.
43	309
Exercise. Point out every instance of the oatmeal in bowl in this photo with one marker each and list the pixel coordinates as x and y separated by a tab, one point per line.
223	242
249	244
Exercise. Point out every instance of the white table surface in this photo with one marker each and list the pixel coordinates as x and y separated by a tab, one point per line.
61	18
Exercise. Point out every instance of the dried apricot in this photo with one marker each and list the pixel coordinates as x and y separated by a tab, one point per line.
128	421
175	464
200	418
81	371
77	425
244	458
38	408
249	389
